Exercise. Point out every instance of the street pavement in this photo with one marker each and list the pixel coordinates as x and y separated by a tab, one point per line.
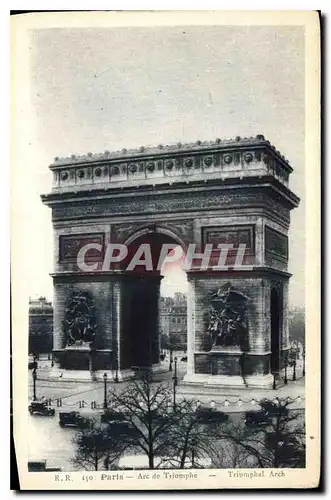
78	395
47	440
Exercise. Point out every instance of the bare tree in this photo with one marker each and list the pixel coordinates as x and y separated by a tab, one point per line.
146	408
95	448
278	443
158	429
191	438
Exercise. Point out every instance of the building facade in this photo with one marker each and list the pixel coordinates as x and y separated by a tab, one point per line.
173	321
40	326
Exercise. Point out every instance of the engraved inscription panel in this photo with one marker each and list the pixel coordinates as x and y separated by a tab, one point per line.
276	244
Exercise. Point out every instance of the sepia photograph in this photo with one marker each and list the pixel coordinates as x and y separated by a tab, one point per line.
166	330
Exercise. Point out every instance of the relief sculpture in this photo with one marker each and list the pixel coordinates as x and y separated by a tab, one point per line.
228	321
79	323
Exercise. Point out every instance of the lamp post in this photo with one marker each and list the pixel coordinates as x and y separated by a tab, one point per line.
294	368
116	367
175	381
34	377
285	367
303	363
171	359
105	391
274	381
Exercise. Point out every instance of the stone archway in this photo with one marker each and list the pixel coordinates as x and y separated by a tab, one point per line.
223	192
140	300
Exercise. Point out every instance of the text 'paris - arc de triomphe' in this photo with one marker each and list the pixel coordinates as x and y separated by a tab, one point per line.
222	192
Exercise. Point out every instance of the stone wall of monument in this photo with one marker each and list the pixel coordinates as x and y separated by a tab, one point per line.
68	239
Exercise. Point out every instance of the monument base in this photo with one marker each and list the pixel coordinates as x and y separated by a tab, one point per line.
214	381
230	367
227	381
82	358
260	381
79	364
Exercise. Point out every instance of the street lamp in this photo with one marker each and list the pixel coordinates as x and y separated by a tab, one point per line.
34	377
285	367
116	367
105	391
171	359
294	368
175	381
303	363
274	381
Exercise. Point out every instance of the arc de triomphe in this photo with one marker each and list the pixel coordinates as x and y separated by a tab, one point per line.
228	192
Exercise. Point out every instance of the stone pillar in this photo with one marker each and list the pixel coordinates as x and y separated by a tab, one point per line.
285	337
259	243
61	291
57	320
190	328
116	330
156	336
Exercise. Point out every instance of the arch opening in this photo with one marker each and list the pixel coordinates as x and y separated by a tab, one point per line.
142	304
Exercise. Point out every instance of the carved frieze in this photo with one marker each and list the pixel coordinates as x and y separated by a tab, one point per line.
182	228
234	235
71	244
169	202
79	323
228	319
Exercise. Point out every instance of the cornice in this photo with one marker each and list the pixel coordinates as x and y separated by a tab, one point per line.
89	195
163	151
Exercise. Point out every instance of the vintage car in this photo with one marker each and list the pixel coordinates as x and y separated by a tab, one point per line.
257	418
37	465
72	419
210	415
40	465
40	408
108	417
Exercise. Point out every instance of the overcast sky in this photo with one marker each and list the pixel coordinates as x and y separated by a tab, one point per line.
103	89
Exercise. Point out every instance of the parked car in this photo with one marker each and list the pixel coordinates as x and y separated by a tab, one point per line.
37	466
40	408
72	419
109	416
257	418
41	466
209	415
